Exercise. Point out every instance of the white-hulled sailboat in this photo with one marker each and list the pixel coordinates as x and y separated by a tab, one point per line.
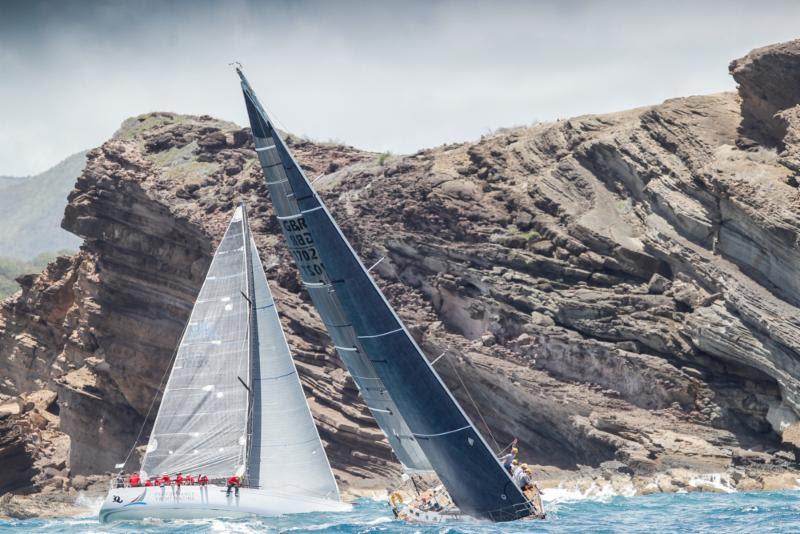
233	405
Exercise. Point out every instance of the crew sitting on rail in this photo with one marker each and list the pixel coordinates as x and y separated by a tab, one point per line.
202	480
508	459
188	480
135	480
179	480
517	474
165	480
525	479
148	483
233	482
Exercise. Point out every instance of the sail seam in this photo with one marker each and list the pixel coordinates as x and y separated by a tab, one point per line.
290	373
381	335
289	217
425	436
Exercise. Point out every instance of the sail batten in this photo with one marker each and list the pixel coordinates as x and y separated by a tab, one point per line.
412	398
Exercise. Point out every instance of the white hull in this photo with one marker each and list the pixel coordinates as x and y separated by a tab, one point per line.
197	502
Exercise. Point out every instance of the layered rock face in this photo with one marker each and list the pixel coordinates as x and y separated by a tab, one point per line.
617	287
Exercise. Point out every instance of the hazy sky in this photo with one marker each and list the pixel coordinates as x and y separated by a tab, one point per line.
377	75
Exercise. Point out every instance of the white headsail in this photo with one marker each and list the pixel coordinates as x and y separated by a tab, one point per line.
234	402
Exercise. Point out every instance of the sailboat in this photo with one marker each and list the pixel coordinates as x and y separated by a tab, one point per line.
233	405
424	424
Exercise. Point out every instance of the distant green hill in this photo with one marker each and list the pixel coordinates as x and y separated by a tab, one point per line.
31	209
11	268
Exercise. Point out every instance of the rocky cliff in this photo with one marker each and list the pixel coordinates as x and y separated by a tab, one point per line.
618	287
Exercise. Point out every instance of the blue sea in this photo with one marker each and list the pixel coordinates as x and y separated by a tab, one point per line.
760	512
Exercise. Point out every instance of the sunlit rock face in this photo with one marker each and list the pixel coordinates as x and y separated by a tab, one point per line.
616	287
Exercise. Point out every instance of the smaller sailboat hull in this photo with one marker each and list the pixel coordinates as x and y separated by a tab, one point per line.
198	502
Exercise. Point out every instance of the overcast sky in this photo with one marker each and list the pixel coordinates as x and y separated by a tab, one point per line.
377	75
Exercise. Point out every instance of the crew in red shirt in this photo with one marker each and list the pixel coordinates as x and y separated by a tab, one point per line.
165	480
179	480
203	480
189	480
136	481
233	482
148	483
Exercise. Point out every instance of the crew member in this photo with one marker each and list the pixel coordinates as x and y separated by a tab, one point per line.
202	480
148	483
136	480
233	482
179	480
508	459
524	482
165	480
189	480
517	474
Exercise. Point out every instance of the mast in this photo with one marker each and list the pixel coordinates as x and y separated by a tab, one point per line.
370	337
252	335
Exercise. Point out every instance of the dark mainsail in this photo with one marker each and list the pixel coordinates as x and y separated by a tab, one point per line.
423	422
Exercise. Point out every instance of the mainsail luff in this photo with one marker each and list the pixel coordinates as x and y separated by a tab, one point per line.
201	424
476	481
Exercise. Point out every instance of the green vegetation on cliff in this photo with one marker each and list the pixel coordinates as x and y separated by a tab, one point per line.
11	268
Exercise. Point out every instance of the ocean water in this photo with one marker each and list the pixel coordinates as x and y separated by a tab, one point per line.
760	512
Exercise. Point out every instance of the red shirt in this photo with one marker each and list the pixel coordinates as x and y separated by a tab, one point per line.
189	479
203	480
233	481
148	484
135	480
166	480
178	480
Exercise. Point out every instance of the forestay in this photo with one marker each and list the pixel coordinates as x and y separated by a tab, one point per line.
371	338
201	426
286	454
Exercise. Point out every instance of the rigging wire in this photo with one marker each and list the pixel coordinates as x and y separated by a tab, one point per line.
474	404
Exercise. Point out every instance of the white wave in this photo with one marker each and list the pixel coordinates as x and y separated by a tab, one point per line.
713	482
602	491
91	504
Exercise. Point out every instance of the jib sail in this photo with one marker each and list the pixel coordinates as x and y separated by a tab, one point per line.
234	402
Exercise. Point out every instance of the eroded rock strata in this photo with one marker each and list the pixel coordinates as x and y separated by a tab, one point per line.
618	291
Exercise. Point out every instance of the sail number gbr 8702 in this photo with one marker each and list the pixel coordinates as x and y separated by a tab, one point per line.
301	246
